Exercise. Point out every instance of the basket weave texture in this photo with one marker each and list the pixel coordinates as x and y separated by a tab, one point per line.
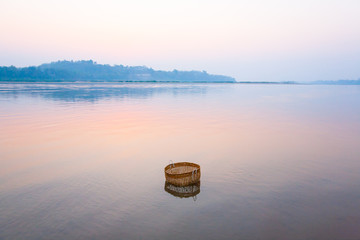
182	173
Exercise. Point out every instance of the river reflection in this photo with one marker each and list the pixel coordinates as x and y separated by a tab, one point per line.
91	92
183	192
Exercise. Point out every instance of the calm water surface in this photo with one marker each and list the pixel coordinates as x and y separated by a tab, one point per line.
85	161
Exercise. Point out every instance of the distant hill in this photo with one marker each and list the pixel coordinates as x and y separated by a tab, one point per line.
71	71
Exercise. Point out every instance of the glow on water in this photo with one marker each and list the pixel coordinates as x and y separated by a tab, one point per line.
82	161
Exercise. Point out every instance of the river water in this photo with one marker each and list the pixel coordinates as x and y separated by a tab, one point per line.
86	161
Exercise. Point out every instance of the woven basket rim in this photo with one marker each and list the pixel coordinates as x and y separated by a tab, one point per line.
179	164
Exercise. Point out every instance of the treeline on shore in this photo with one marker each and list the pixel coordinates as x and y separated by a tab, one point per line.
65	71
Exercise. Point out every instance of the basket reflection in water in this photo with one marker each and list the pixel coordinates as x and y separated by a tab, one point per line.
183	192
182	173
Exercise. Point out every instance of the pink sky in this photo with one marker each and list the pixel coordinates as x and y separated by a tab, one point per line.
249	40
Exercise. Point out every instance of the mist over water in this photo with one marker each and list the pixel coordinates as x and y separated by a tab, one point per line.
86	161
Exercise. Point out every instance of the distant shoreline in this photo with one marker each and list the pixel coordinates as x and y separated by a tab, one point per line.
88	71
73	71
337	83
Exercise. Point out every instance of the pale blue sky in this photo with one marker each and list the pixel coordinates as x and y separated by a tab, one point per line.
254	40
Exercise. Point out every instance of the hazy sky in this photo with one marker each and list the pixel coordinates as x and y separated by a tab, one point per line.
279	40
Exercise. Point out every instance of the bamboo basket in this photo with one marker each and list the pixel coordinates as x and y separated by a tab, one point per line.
182	173
183	192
